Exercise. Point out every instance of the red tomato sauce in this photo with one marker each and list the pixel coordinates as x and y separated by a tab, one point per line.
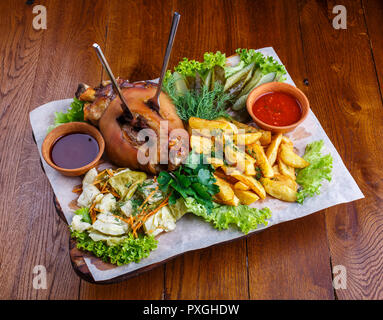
277	109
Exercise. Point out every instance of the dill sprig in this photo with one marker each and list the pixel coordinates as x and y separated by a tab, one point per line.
203	103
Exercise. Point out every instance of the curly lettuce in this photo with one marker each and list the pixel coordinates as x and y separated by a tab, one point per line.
129	250
75	113
210	60
222	216
310	178
265	64
187	67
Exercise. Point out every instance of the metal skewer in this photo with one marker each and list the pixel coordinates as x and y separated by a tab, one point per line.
155	101
115	85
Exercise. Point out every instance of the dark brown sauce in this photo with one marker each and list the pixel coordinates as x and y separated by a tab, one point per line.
74	150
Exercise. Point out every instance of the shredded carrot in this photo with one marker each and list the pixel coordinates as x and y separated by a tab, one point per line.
114	193
154	211
79	189
104	187
148	198
147	215
122	219
92	213
100	174
110	172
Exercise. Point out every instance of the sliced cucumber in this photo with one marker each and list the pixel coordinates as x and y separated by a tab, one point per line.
208	79
231	81
180	84
240	103
252	83
266	78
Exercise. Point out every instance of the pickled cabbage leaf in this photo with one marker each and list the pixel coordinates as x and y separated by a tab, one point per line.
125	183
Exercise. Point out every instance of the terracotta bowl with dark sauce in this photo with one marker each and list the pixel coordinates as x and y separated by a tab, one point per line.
73	148
284	106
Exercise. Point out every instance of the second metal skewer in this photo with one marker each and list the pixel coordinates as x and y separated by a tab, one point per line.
128	114
154	102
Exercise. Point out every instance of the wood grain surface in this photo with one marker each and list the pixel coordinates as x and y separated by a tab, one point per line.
339	70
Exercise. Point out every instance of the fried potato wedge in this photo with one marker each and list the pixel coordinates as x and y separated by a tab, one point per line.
262	161
221	174
265	138
247	167
226	192
276	169
197	123
233	202
200	132
201	144
287	181
246	197
248	138
250	169
285	169
290	158
241	186
244	126
287	141
253	183
234	155
279	190
216	162
272	150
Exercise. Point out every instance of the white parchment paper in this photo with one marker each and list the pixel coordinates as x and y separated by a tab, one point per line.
191	232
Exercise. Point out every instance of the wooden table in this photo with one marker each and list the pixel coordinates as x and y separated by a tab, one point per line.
341	71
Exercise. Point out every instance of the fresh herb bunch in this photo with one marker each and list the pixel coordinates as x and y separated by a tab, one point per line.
203	103
193	179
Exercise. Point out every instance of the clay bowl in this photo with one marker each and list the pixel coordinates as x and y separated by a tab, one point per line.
278	87
63	130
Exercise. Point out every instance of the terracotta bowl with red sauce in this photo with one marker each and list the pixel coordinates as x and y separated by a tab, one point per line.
277	106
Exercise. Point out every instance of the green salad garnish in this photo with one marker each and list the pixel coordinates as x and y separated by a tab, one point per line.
75	113
311	178
223	216
194	179
128	250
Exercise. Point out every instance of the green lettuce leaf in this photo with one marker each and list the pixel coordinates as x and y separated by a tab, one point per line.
213	59
222	216
84	213
310	178
265	64
75	113
187	67
129	250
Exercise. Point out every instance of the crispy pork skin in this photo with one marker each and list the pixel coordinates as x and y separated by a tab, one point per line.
120	140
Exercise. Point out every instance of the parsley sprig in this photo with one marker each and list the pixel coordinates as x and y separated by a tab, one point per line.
193	179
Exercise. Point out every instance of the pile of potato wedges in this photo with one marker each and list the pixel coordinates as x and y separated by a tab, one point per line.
249	163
